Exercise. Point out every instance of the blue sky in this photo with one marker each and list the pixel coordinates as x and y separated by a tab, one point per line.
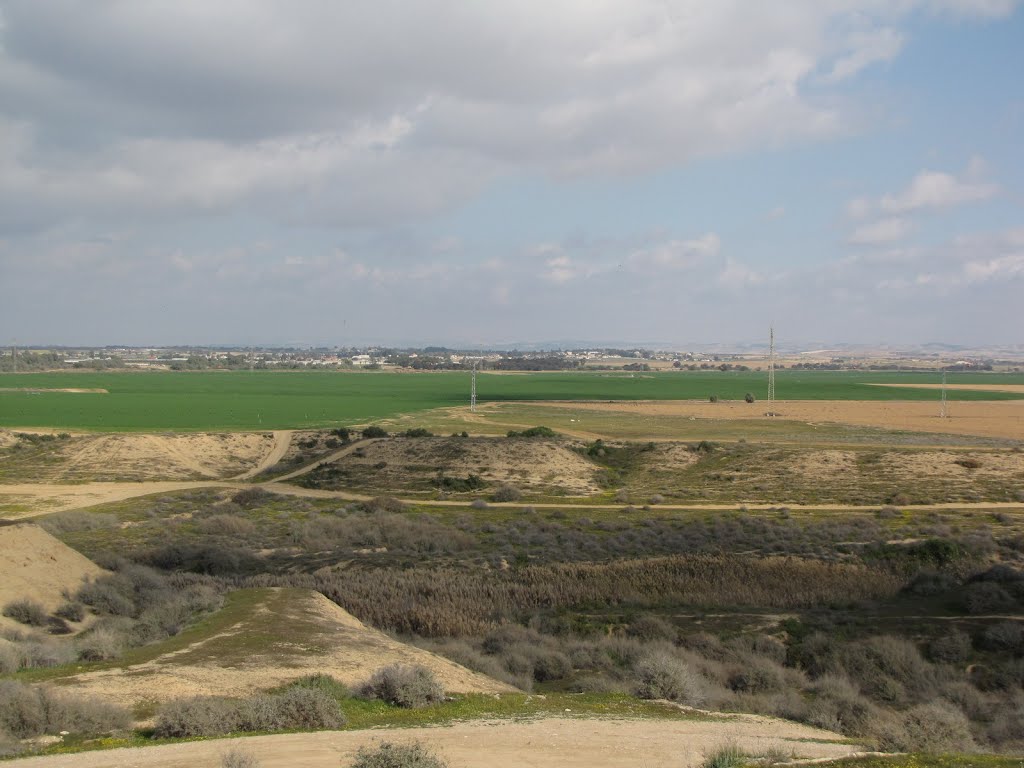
668	171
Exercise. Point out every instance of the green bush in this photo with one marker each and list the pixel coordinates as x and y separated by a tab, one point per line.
404	686
391	755
374	431
727	756
418	432
534	432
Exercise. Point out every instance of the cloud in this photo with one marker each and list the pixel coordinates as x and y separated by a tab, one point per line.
865	49
881	231
889	218
932	189
676	254
288	109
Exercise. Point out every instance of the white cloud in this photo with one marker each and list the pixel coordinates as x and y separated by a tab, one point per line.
882	231
676	254
932	189
217	105
866	49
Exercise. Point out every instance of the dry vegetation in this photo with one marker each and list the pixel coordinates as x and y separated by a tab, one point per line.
428	465
901	628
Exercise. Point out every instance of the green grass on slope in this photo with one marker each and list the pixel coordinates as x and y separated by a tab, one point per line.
236	400
932	761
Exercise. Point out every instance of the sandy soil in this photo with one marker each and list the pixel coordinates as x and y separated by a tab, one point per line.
29	499
1003	418
136	457
302	633
282	441
548	742
35	565
944	464
825	464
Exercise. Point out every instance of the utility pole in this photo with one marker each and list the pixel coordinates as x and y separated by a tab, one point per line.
943	409
771	371
472	390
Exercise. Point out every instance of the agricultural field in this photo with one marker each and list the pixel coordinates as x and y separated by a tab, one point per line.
846	576
256	400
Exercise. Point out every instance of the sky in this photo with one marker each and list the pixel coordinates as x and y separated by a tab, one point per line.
332	172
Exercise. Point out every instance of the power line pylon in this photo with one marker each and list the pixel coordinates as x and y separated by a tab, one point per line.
771	371
943	408
472	390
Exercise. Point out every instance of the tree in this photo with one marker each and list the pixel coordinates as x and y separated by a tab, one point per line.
749	397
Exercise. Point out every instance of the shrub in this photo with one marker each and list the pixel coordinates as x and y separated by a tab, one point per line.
662	676
838	706
26	612
936	727
404	686
651	628
294	708
27	712
987	597
1006	636
252	497
10	658
308	707
71	610
102	644
374	431
727	756
749	397
323	683
104	597
757	675
478	504
506	492
418	432
534	432
197	716
226	525
391	755
951	648
238	758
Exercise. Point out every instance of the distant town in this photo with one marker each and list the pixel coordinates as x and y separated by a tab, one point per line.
431	358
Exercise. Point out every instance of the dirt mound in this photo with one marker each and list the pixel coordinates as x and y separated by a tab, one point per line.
263	638
131	457
553	742
414	464
35	565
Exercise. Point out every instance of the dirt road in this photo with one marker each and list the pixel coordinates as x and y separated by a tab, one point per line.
22	502
282	441
549	742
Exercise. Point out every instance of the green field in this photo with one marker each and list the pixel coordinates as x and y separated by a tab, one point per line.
246	400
